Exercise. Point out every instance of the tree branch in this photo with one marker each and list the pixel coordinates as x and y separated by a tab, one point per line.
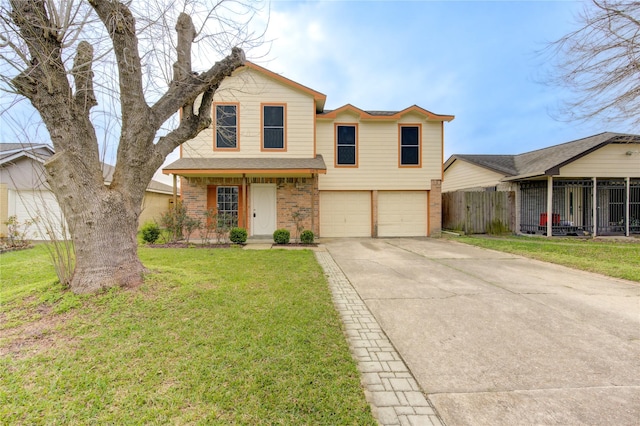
120	24
83	75
184	93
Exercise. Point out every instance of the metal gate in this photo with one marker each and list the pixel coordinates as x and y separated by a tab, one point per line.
571	207
634	206
612	199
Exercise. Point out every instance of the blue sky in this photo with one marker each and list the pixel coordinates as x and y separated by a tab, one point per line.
477	60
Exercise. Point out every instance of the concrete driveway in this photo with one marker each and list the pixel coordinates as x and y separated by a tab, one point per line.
496	339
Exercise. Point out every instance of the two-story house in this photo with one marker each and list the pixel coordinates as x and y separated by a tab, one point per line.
274	152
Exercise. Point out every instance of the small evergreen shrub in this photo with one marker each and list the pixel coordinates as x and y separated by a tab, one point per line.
307	237
281	236
150	232
238	235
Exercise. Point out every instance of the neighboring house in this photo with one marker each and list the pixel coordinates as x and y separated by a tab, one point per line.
25	194
273	151
567	180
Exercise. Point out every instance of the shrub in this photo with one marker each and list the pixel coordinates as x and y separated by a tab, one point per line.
238	235
281	236
307	237
150	232
190	225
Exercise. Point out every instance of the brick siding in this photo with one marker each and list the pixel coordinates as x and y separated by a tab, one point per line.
292	195
435	208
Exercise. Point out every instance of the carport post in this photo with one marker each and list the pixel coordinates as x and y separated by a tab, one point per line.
627	206
549	206
595	207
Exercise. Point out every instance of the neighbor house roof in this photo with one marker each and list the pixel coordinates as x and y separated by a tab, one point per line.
13	151
154	185
196	166
545	161
41	152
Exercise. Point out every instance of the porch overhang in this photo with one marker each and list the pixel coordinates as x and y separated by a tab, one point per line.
249	167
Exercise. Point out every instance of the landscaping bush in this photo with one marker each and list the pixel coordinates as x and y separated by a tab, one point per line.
307	237
281	236
150	232
238	235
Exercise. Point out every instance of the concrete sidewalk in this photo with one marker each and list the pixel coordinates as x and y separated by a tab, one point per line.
491	338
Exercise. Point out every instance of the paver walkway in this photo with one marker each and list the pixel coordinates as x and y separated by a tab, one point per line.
390	388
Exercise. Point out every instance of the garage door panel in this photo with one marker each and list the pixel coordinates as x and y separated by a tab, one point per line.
345	214
42	209
402	213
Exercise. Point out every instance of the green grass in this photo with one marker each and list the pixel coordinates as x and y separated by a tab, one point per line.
615	259
212	337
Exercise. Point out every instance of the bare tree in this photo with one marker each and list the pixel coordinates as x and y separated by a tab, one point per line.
600	63
58	52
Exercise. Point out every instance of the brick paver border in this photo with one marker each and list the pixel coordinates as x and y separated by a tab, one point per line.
390	388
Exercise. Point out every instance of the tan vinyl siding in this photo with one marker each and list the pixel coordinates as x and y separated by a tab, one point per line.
252	89
464	175
154	205
609	161
378	155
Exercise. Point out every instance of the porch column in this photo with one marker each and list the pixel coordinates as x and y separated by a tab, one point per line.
313	199
595	207
549	206
244	201
175	190
627	206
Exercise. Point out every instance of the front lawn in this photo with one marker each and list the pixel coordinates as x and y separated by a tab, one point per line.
612	258
222	336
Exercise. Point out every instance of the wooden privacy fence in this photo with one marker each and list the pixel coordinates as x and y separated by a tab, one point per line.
479	212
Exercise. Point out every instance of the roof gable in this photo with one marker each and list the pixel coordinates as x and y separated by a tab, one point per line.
318	97
13	151
384	115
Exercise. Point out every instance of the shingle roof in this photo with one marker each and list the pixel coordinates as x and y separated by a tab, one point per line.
154	185
500	163
258	164
546	160
12	151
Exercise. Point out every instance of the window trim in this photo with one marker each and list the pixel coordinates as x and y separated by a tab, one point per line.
215	122
335	145
415	166
284	127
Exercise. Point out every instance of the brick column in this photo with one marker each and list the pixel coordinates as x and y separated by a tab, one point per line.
435	208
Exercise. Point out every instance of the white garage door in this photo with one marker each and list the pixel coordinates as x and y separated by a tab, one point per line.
39	207
345	214
402	213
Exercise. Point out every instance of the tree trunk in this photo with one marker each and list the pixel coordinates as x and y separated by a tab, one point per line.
103	222
106	250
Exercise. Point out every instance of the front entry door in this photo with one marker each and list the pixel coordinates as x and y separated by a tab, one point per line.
263	205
